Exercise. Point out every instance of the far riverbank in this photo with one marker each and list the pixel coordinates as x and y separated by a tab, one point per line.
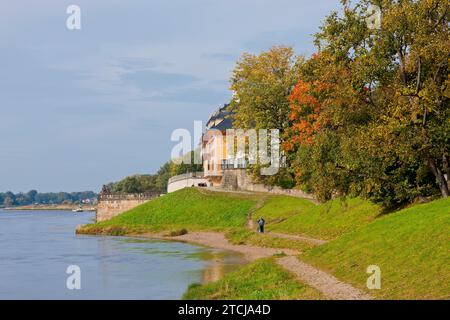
62	207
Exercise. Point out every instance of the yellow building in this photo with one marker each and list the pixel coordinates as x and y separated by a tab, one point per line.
214	146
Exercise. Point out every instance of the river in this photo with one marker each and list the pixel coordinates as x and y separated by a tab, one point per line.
37	247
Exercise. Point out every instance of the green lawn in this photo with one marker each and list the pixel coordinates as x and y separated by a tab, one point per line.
260	280
412	248
329	220
279	208
188	208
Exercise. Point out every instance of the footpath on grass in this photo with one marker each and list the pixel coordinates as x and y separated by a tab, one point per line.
325	283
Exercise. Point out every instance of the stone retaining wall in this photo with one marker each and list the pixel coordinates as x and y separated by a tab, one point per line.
238	179
111	205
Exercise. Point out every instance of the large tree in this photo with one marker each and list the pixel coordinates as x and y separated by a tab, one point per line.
384	103
261	84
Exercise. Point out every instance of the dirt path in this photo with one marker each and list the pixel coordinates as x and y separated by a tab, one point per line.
218	240
298	238
331	287
259	205
251	226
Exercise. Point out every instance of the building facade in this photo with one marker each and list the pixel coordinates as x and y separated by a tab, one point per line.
216	155
216	158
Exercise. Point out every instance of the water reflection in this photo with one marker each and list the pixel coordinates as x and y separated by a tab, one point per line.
36	248
219	264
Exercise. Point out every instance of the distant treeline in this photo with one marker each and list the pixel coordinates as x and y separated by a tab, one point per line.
154	182
9	199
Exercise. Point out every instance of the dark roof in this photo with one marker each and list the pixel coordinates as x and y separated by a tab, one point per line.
227	123
221	113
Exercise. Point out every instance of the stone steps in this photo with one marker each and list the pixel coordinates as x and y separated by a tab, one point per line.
229	181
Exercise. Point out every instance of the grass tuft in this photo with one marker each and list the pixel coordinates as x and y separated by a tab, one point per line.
261	280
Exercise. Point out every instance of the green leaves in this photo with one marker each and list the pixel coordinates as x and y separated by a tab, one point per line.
381	115
386	111
261	84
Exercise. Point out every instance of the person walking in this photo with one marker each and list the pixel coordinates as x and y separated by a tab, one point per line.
261	223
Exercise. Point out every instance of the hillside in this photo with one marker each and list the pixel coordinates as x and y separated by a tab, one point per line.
186	209
411	247
328	220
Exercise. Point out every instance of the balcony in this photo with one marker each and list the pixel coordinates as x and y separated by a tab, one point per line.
231	164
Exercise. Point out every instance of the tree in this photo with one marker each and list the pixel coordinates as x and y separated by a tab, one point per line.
261	84
382	128
9	199
32	195
181	168
408	64
163	176
8	202
304	114
155	182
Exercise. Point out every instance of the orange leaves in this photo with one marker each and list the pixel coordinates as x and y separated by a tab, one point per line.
304	114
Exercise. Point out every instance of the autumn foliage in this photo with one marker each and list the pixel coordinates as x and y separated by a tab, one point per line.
304	114
368	114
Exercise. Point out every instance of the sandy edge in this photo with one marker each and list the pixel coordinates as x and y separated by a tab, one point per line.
327	284
219	241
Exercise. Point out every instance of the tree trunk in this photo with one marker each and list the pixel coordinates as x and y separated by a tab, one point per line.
440	179
446	168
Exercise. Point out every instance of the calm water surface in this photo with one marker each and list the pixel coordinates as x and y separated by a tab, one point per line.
36	247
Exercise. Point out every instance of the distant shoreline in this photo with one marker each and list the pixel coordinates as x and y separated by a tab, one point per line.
50	208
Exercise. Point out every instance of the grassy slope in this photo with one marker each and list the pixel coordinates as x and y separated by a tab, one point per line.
279	208
411	247
297	216
274	210
329	220
195	209
187	208
260	280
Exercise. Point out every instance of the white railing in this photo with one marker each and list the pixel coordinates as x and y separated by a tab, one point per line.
186	176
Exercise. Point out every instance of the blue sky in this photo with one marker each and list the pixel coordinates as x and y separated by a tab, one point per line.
83	107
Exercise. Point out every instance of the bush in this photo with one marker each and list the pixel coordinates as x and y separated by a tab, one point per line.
117	231
176	233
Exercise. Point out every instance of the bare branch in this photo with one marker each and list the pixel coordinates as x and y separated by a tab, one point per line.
419	74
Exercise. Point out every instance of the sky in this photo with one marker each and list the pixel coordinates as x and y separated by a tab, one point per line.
80	108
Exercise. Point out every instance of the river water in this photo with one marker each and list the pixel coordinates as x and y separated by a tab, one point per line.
37	247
